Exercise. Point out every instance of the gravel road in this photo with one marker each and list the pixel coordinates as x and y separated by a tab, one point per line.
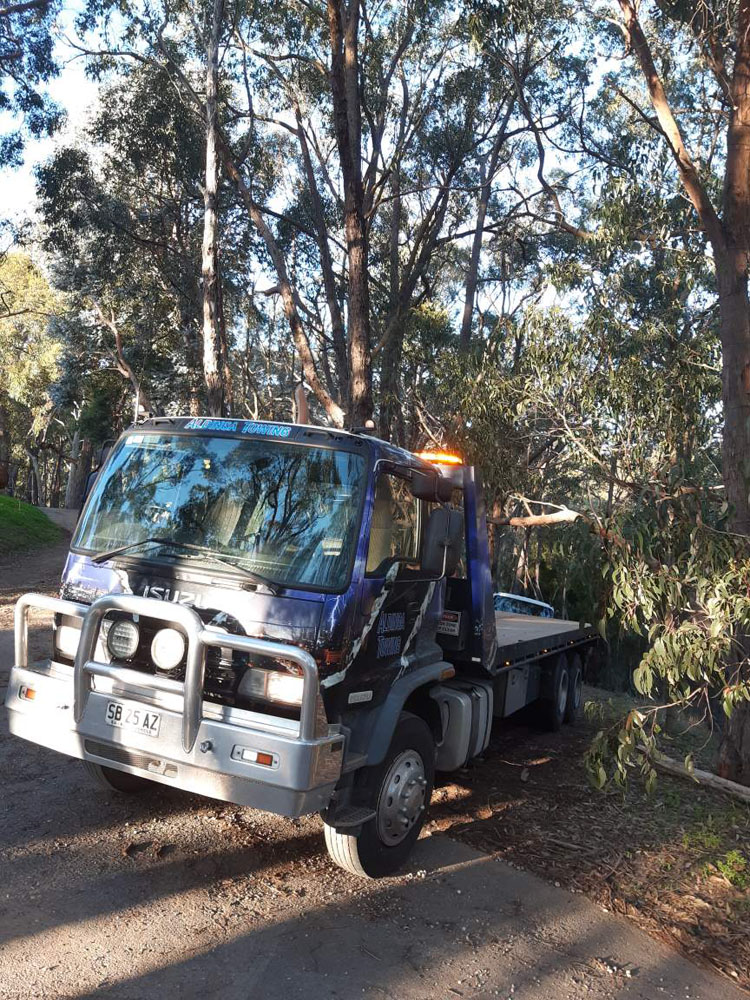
167	895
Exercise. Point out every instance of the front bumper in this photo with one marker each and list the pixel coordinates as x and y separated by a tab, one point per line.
202	753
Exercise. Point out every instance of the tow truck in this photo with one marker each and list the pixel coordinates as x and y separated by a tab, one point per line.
287	617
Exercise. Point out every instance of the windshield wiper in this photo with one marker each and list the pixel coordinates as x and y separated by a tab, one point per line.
108	553
259	580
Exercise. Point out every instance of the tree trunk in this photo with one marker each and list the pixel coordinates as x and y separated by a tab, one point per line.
472	275
343	24
391	401
731	269
487	171
734	753
36	491
54	498
4	449
80	466
734	311
390	363
301	342
192	359
212	353
729	237
338	333
142	397
226	371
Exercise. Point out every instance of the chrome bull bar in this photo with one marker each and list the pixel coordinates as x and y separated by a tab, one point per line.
199	639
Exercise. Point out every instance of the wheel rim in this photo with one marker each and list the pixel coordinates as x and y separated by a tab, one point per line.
402	796
562	692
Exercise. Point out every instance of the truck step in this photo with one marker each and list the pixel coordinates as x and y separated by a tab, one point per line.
348	816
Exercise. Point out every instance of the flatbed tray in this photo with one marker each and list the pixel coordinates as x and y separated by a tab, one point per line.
526	637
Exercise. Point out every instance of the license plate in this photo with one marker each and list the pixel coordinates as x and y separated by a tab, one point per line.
135	719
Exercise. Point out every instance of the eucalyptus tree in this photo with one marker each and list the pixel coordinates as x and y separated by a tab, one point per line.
27	62
716	40
381	105
30	361
646	230
122	213
356	138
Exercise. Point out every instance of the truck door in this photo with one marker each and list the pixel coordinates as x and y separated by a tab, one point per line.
394	593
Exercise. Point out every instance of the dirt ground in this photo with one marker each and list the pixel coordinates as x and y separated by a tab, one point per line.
115	897
677	864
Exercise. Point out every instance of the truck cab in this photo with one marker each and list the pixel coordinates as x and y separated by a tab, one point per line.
288	617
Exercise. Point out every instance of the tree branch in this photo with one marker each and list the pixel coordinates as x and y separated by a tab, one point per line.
637	42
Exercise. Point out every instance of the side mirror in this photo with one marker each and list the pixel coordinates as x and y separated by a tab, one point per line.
431	486
441	549
90	480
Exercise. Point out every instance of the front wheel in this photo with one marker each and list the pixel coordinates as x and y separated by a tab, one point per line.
399	791
117	781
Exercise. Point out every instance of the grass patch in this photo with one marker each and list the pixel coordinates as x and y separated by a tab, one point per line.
735	869
24	527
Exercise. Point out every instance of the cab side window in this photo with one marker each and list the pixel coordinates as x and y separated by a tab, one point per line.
394	530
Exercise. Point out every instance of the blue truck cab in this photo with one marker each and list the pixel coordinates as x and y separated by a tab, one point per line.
288	617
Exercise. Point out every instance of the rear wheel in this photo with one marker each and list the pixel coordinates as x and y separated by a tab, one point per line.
574	704
118	781
555	703
399	791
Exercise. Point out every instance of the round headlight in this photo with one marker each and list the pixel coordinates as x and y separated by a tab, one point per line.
67	638
168	648
122	639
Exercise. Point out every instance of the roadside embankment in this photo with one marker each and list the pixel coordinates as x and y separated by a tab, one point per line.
23	526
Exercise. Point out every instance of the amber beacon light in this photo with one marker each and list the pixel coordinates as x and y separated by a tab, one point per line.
440	457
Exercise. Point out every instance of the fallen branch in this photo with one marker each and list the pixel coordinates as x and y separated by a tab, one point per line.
702	777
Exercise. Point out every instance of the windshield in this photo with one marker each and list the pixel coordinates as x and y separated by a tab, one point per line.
288	512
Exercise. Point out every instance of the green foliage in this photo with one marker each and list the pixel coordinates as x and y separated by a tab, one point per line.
735	868
30	358
24	527
29	355
123	234
681	582
27	62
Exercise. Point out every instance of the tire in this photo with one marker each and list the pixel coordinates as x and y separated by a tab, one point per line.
574	706
117	781
368	853
555	703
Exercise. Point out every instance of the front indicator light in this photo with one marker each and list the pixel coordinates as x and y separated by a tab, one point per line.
167	648
248	755
27	693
